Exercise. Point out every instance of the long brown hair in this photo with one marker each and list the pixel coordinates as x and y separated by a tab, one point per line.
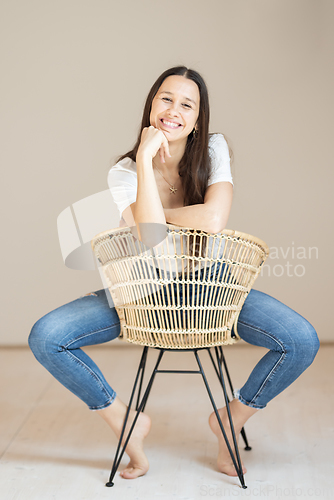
194	167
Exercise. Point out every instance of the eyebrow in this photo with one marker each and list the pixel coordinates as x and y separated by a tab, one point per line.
171	93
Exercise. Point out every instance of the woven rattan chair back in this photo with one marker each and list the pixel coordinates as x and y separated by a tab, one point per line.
186	292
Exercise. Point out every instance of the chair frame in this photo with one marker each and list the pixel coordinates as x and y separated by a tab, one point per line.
242	253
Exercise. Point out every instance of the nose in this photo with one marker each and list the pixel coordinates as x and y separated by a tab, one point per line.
173	109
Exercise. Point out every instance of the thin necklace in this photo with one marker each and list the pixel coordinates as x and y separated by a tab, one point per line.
172	188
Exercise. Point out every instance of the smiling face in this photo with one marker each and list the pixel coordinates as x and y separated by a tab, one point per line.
175	108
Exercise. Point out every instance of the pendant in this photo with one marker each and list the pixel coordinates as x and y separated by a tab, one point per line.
172	190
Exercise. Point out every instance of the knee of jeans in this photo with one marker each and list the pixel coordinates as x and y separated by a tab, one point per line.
40	339
315	342
306	342
35	339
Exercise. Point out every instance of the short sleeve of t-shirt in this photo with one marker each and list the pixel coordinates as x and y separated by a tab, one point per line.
122	182
220	160
122	177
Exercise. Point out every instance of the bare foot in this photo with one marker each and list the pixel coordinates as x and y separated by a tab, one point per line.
114	415
224	461
138	465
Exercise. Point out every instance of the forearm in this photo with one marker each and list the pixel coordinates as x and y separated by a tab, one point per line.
148	204
210	216
200	216
148	212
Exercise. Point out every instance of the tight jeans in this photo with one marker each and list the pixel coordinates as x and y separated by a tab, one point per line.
57	337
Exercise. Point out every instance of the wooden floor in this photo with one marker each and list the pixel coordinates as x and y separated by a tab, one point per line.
53	448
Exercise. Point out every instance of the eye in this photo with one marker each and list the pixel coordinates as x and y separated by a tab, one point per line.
187	105
167	99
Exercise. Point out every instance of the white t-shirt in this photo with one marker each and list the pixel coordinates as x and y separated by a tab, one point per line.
122	181
122	177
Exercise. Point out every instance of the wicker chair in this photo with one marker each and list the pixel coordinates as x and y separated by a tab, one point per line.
186	293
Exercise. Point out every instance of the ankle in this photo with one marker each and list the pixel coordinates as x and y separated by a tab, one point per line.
241	412
114	414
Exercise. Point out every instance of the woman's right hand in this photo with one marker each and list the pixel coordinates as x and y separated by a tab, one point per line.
152	141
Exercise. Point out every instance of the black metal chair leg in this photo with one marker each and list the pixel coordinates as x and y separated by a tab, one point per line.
230	417
223	360
140	368
244	437
236	463
119	453
222	357
149	387
144	359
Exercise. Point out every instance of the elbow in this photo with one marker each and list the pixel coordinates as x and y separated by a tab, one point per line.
215	229
216	224
151	233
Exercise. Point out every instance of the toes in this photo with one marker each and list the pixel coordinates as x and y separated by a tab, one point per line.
131	473
126	473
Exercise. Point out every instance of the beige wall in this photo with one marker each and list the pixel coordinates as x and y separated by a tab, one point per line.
74	76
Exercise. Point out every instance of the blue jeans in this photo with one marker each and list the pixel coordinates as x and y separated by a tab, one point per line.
57	337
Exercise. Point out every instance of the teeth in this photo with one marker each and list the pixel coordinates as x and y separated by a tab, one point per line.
170	124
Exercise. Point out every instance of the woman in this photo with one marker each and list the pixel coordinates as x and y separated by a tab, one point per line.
176	173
